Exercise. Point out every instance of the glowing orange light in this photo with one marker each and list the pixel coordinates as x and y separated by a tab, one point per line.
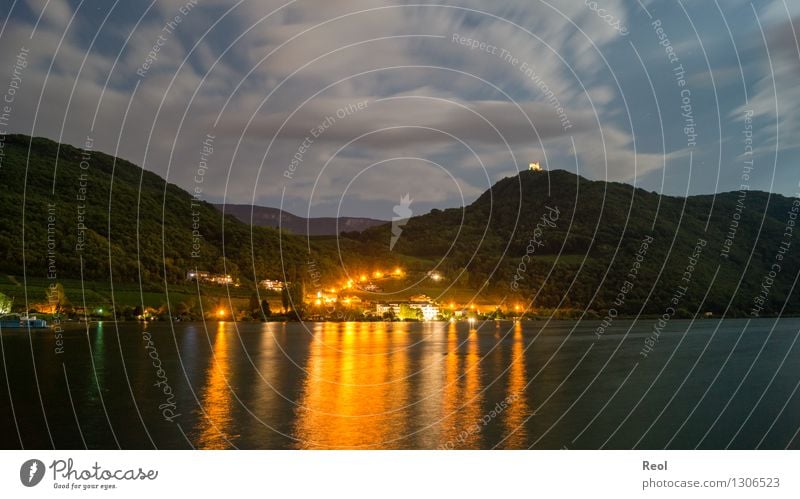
363	278
378	274
398	271
318	302
221	313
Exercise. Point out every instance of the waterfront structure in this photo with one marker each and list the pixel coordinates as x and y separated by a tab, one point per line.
429	309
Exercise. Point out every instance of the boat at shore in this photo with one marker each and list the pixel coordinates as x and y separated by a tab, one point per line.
22	322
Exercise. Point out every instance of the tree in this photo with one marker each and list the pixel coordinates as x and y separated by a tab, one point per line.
285	297
57	297
265	308
254	305
297	295
410	313
5	304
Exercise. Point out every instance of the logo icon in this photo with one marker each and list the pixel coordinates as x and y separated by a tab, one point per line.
403	213
31	472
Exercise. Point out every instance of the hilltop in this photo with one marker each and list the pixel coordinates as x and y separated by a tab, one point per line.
554	237
583	258
122	220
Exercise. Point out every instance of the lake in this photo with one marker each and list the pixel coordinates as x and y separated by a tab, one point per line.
708	384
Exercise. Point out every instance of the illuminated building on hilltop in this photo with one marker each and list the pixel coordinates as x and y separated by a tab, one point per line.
534	167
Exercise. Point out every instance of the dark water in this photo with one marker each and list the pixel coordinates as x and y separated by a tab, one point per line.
396	385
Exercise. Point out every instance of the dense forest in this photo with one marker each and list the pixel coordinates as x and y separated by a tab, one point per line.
125	222
582	254
552	237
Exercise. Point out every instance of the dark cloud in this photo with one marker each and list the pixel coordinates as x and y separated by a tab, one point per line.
267	68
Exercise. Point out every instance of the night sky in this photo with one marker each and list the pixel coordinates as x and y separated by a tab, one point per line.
344	107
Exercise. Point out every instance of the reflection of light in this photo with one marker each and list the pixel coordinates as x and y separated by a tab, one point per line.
216	404
462	394
517	412
471	320
351	399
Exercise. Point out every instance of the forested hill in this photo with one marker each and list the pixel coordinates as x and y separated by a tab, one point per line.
61	204
584	257
121	219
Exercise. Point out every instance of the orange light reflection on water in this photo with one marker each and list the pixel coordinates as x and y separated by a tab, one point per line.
461	397
216	399
517	411
357	388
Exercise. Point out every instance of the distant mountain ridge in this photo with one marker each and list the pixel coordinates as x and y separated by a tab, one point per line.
263	216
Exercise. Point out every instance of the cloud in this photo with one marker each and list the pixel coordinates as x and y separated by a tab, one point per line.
414	119
55	13
286	73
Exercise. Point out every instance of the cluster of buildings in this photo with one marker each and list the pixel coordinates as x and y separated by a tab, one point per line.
206	276
416	307
428	309
272	284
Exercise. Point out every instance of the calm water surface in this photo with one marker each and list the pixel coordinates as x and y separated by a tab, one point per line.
711	384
